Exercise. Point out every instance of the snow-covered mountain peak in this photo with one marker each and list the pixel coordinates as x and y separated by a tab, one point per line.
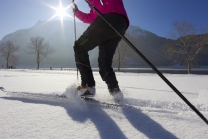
136	31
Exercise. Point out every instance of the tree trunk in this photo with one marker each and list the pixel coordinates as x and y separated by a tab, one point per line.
38	64
7	64
189	67
118	66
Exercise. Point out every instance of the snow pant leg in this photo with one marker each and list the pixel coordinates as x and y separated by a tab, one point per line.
106	53
81	48
83	64
108	48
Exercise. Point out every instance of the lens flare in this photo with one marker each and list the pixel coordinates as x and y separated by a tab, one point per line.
61	12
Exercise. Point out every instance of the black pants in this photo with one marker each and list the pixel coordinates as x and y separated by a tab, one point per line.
99	34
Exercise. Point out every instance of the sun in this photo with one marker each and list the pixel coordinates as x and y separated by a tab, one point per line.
60	11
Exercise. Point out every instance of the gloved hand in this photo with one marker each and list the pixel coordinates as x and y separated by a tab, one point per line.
75	8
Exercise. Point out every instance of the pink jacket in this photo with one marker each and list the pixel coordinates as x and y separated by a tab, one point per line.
104	6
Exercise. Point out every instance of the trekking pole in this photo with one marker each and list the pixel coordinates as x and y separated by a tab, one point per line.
150	64
75	38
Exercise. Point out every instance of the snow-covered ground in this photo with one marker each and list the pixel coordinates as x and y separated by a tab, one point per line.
160	113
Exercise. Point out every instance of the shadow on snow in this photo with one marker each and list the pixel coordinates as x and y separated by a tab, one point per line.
105	125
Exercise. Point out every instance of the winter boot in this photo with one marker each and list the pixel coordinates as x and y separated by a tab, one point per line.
86	91
117	95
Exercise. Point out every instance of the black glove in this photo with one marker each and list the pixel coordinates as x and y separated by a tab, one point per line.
75	8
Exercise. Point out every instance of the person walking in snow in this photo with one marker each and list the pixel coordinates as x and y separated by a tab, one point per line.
102	35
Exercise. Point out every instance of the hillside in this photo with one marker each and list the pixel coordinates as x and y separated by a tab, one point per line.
61	38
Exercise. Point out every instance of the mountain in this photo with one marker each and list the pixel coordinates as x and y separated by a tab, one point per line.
61	39
149	44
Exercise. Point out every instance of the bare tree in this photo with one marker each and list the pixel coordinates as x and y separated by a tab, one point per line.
39	48
8	51
186	43
121	52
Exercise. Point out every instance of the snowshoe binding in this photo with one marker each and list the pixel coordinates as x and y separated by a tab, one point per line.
86	92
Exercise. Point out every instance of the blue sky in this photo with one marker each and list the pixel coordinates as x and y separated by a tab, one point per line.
152	15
